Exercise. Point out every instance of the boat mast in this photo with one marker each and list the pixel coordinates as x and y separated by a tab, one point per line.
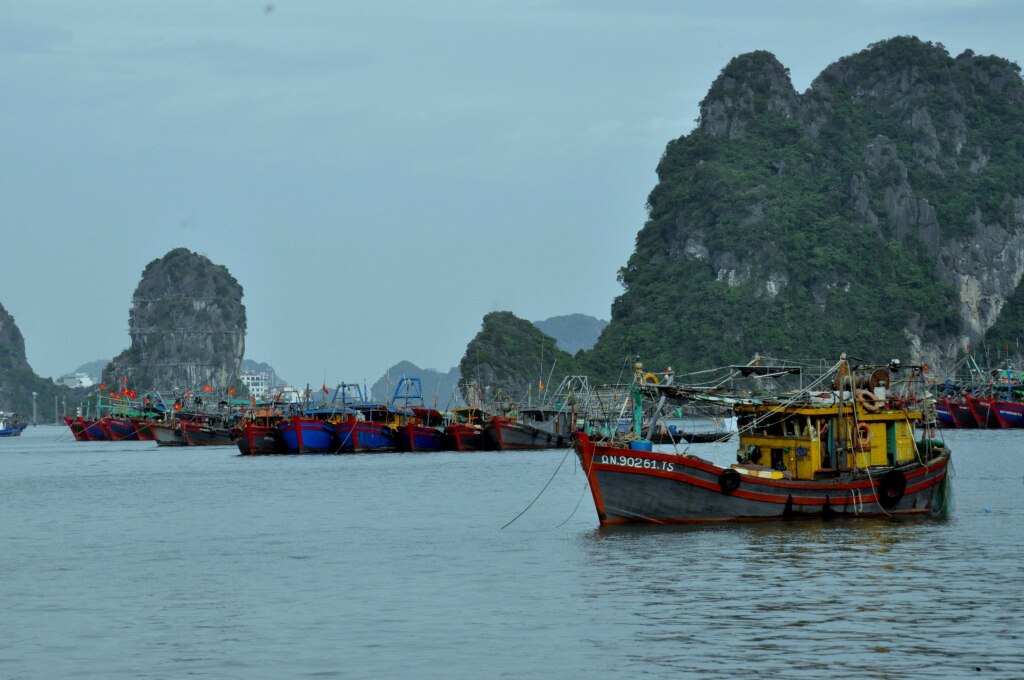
844	376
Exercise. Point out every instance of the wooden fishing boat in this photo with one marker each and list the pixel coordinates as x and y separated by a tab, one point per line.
675	437
257	433
465	429
143	427
944	414
983	410
96	430
424	431
120	428
371	429
531	428
707	437
1010	414
959	412
309	432
9	427
77	425
797	459
168	433
207	432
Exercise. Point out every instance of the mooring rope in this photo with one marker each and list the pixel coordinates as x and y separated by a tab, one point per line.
541	493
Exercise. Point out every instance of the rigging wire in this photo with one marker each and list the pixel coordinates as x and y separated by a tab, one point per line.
541	493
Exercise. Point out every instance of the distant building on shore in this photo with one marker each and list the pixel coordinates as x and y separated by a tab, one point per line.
258	383
76	380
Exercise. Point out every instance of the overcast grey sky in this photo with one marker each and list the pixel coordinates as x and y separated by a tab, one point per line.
377	175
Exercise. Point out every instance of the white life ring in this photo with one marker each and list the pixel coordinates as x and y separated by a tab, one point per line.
869	401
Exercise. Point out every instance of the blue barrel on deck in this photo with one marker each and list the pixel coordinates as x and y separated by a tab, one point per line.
641	445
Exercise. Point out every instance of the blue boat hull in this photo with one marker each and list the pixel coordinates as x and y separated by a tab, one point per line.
308	436
944	416
1011	414
419	438
365	436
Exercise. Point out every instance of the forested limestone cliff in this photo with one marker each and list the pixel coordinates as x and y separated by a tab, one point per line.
187	326
18	381
879	213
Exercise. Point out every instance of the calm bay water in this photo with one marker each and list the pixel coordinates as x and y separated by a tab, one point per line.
122	560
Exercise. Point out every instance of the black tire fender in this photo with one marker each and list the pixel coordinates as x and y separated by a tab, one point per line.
890	489
729	480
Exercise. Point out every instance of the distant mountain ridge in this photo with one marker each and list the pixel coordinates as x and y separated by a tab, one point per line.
93	369
438	387
573	332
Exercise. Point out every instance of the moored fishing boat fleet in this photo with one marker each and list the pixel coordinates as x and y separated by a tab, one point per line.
347	422
844	444
980	399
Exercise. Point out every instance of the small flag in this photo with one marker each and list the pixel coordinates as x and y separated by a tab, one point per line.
325	388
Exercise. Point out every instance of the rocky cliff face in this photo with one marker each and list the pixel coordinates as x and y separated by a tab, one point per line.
12	343
187	326
881	210
18	381
511	359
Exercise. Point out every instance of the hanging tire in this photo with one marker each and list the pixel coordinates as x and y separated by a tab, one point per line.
729	480
891	487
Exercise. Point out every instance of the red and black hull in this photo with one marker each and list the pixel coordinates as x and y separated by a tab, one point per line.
961	414
463	438
206	435
984	411
120	429
144	429
505	435
636	486
257	440
78	428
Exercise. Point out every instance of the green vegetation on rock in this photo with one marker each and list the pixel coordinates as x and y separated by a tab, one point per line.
878	213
